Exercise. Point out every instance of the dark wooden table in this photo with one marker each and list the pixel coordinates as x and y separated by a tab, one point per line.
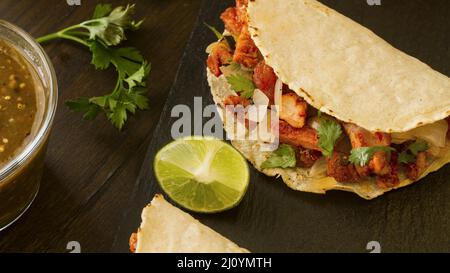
91	167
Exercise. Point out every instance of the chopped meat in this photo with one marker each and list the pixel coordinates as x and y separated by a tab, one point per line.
416	169
265	79
360	137
363	171
235	18
246	52
236	100
233	24
221	54
133	242
341	169
306	157
293	110
305	137
241	6
390	179
379	163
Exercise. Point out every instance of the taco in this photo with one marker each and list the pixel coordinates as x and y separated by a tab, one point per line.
355	113
167	229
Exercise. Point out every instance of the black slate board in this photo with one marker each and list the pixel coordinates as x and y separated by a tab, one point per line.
273	218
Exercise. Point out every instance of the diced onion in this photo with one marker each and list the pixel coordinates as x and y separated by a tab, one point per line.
259	98
229	69
313	122
210	48
319	169
278	93
258	111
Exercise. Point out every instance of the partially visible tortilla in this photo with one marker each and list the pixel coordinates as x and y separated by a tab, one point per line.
301	179
167	229
344	69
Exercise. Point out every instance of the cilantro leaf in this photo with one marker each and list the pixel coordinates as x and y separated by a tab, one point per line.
409	155
110	29
362	156
283	157
418	147
120	102
406	158
83	105
139	99
242	85
127	60
137	78
329	132
215	31
118	116
102	10
101	56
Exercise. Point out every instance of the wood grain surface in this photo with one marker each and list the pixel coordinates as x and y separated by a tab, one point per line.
91	167
94	187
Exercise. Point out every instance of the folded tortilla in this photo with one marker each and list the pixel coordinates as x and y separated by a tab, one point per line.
343	69
167	229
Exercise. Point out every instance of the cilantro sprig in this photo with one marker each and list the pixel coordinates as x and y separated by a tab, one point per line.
329	131
283	157
409	155
362	156
101	35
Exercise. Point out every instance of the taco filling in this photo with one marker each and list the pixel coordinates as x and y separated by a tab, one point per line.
311	139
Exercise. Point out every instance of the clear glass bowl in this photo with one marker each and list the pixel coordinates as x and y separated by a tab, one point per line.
21	176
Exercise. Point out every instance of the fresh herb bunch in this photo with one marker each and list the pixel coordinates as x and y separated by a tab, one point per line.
101	35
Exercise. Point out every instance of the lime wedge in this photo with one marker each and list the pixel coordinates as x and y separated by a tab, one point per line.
202	174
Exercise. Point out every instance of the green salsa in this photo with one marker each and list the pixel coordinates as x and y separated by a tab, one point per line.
22	107
18	103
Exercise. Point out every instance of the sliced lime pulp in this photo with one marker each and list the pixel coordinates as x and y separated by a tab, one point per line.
202	174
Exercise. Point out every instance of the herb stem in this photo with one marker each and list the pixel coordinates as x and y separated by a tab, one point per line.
119	82
77	33
67	34
75	39
48	37
61	35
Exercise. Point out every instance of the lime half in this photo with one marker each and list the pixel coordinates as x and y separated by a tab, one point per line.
202	174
